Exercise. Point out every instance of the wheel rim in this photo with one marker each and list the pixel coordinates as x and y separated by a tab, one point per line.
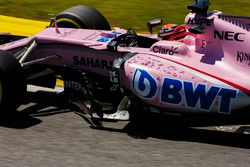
71	23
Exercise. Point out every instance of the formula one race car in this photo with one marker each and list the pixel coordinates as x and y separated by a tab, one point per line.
112	74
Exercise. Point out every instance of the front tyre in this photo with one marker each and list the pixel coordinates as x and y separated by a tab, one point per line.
83	17
12	83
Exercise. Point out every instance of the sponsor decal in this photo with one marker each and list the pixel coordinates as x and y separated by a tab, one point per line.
114	79
175	92
228	36
144	84
91	62
200	21
243	57
103	39
161	50
106	37
75	86
116	32
68	33
203	44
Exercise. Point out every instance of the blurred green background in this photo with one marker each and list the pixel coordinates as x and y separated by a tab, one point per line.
125	14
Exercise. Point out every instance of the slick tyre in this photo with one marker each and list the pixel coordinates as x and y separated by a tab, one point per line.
83	17
12	83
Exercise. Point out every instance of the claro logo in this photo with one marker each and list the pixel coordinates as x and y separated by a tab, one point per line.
161	50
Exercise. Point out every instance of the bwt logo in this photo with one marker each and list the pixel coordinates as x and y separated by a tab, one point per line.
144	84
173	91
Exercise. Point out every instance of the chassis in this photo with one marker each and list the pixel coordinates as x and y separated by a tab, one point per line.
112	74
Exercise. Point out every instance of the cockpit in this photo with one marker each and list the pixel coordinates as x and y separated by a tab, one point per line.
131	39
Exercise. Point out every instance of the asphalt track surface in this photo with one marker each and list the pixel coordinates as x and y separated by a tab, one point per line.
48	133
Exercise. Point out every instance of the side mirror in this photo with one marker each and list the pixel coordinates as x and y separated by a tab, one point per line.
153	23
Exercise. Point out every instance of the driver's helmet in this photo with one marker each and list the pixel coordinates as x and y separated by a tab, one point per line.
172	32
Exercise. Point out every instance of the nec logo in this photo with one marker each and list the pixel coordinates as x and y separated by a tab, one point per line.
228	35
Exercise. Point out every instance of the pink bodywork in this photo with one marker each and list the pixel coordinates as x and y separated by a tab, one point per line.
217	62
219	58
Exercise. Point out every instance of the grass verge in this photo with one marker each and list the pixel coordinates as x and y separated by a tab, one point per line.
125	14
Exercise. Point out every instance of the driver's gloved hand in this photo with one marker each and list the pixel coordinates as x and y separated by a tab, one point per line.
131	38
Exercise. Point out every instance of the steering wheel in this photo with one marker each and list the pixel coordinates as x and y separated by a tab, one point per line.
125	40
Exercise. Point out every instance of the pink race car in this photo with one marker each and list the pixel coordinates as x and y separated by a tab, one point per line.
112	74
